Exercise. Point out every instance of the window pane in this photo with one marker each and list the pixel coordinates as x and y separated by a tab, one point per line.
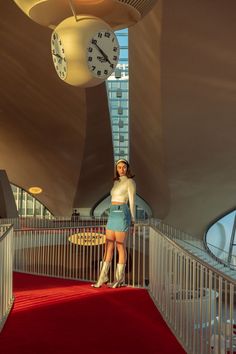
219	235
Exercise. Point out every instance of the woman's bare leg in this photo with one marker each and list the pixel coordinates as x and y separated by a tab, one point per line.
109	246
120	238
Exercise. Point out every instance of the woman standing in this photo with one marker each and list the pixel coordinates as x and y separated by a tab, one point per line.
120	218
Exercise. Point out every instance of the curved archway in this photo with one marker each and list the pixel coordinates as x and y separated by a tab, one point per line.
220	238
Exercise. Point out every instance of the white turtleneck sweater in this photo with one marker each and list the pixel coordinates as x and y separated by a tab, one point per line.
124	190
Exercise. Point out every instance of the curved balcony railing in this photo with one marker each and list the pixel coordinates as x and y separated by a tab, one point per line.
224	256
197	247
76	252
6	266
194	296
220	239
26	223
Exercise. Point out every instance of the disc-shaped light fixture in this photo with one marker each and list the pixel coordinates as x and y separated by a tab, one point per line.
35	190
117	13
88	238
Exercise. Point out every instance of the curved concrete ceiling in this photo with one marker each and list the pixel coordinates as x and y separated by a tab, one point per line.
182	108
48	130
186	54
146	145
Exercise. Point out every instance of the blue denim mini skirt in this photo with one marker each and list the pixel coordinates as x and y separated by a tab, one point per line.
119	218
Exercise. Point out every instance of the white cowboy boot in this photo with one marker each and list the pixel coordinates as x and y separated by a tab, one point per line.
120	276
103	277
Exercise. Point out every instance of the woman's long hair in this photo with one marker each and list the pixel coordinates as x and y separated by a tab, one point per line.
129	174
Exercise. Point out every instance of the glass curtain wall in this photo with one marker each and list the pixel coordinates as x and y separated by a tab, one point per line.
118	94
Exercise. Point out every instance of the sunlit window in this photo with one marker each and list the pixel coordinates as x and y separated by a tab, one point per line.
27	205
220	238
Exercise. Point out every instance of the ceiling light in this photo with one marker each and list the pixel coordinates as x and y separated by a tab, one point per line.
35	190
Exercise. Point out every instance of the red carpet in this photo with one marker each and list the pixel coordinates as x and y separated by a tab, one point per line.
59	316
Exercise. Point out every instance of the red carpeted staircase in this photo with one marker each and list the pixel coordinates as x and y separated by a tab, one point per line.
55	316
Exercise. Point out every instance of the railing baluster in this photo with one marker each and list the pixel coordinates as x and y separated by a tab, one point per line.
199	314
6	272
194	298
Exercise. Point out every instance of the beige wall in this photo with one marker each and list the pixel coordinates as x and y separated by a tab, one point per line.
147	149
189	73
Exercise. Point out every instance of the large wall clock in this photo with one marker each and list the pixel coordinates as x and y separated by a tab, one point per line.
58	55
85	52
103	53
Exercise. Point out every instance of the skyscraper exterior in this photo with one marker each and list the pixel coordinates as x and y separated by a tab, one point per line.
118	94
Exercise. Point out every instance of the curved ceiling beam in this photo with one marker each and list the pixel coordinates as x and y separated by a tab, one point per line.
96	173
146	146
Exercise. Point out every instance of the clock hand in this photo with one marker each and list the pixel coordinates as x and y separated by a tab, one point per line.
102	52
108	61
57	55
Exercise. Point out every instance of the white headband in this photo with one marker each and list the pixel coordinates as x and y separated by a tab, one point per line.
122	160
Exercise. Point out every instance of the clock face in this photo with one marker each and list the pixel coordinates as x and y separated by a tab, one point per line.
103	54
58	55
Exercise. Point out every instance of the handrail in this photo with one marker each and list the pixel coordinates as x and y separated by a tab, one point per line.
220	260
75	227
196	258
183	237
229	253
76	252
196	299
4	229
38	222
220	249
6	272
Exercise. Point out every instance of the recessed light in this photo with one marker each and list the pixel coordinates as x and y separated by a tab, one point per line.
35	190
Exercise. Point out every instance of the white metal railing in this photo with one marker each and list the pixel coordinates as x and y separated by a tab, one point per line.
222	255
197	247
195	299
6	266
26	223
76	252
